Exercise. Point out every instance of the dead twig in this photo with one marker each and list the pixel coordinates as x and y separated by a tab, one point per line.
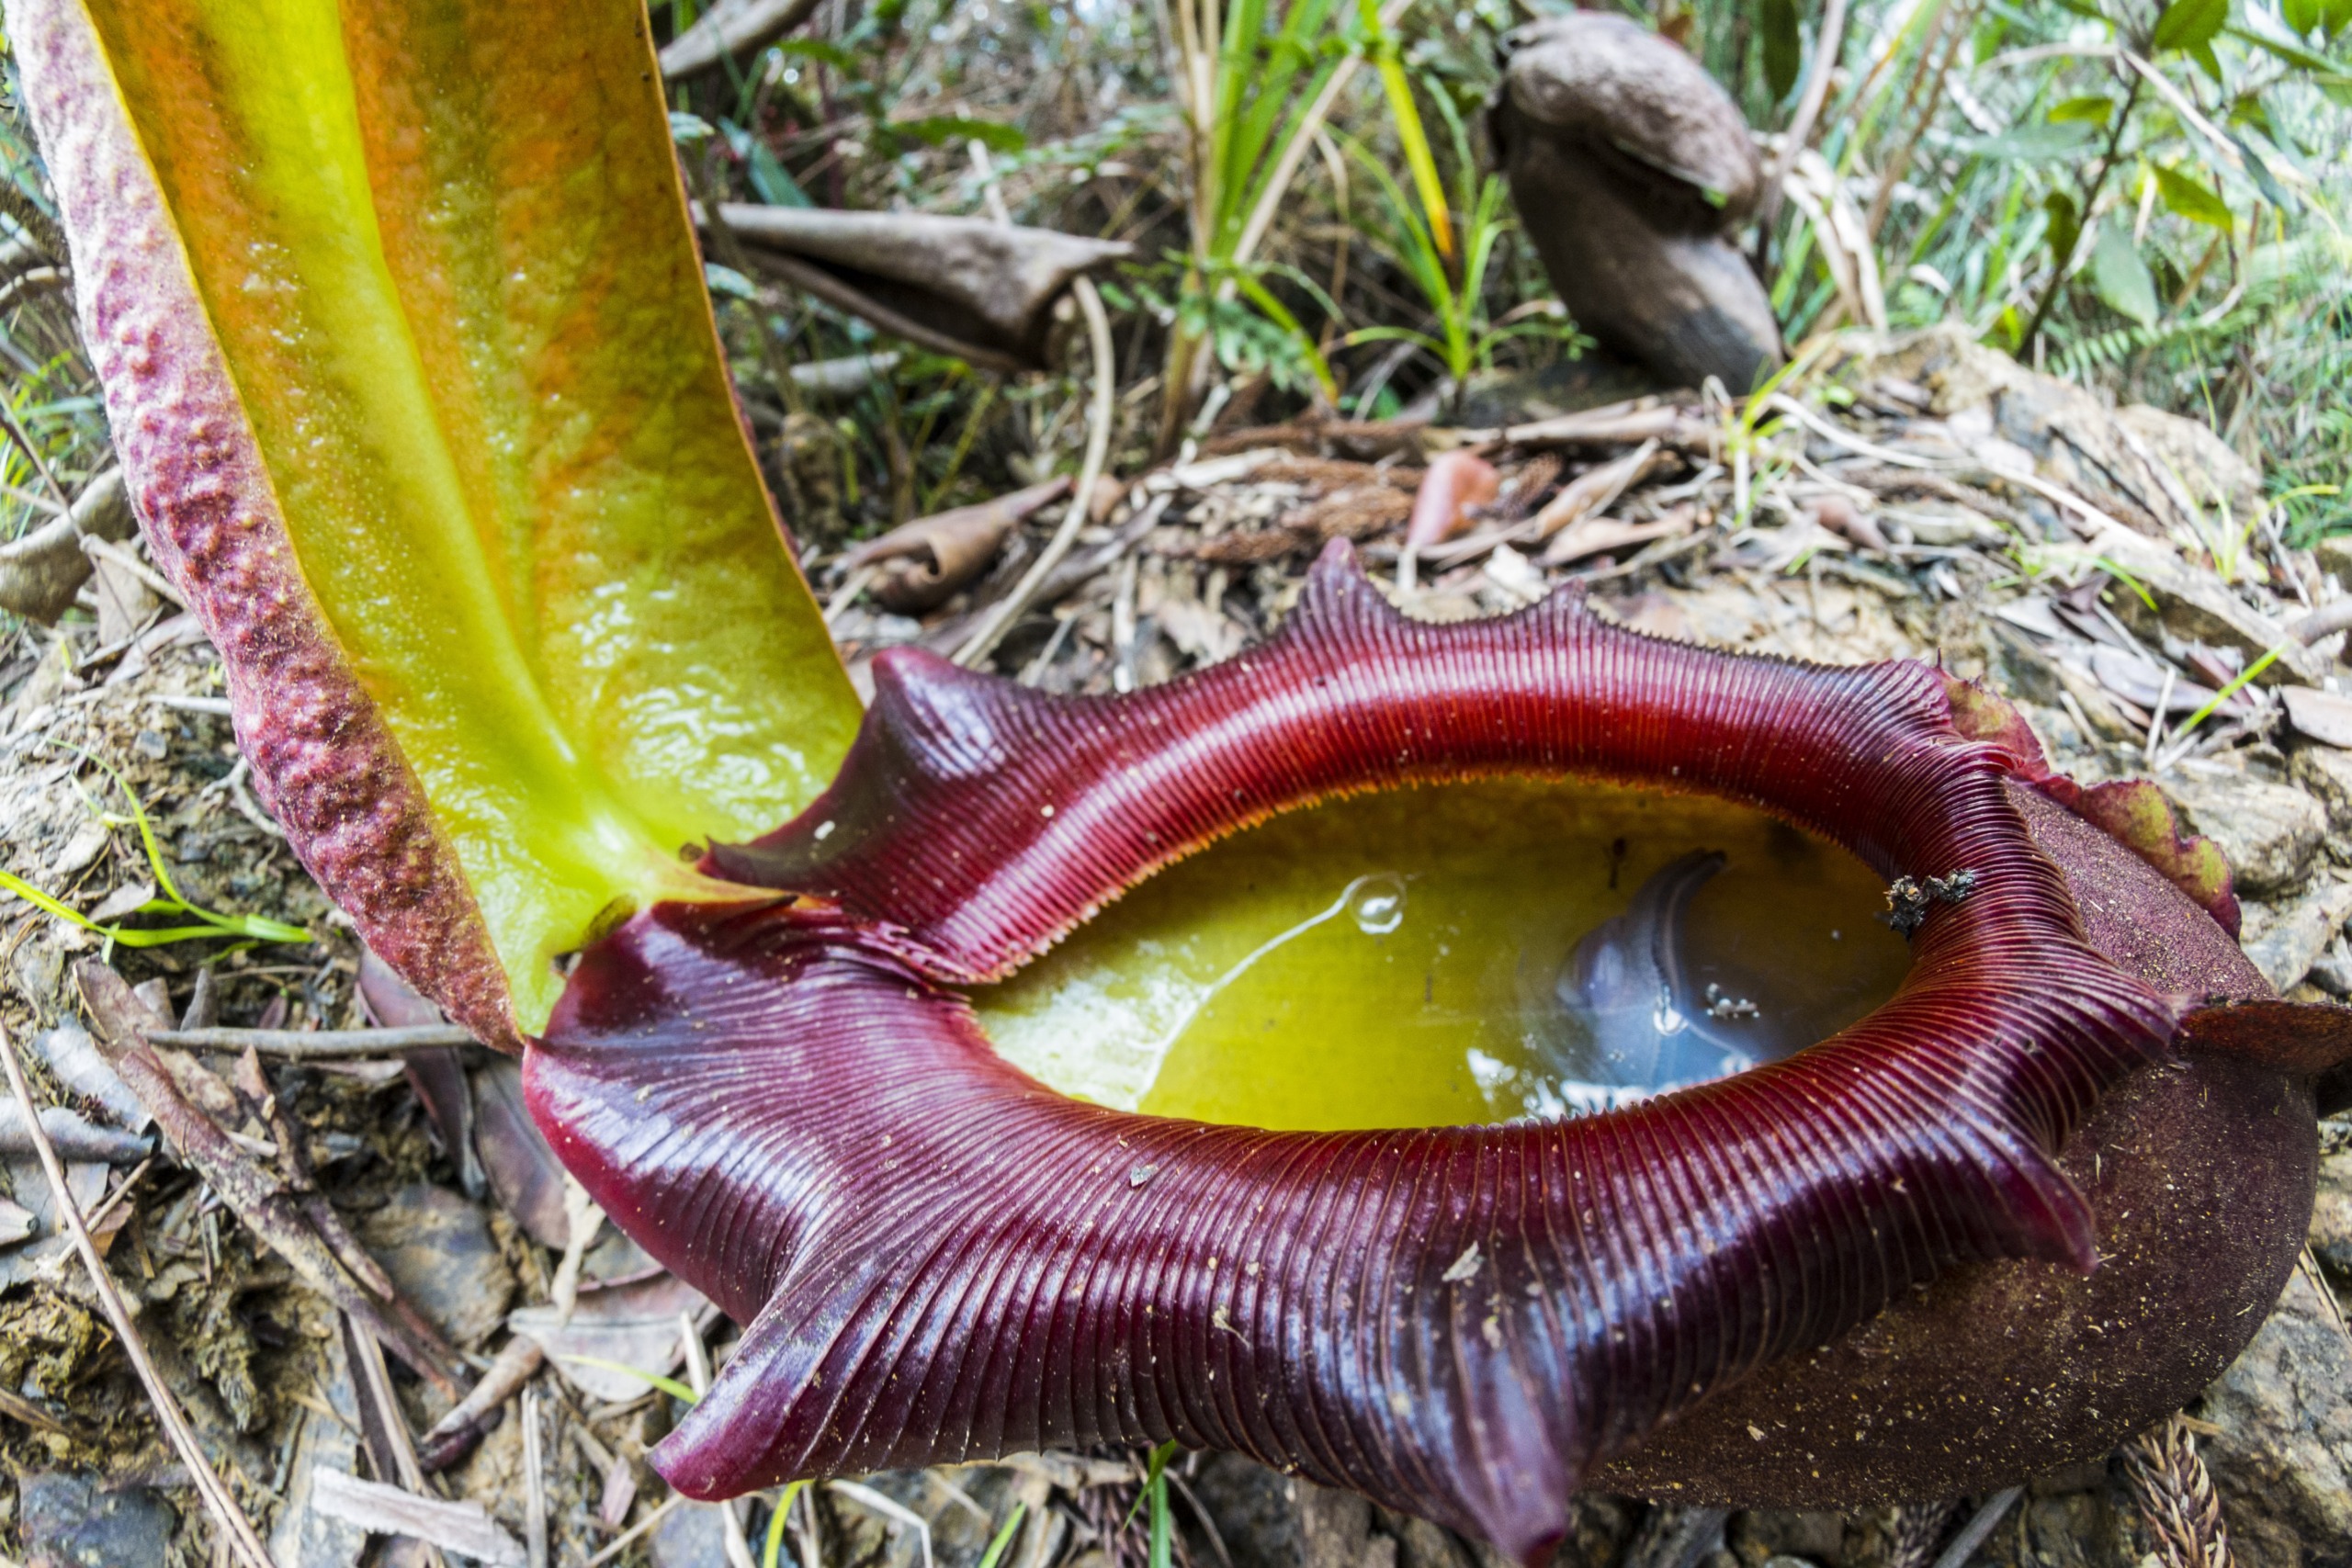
98	548
2327	622
736	27
634	1532
812	279
294	1168
1201	1516
41	573
301	1183
17	1407
1077	570
1619	424
314	1044
382	1422
266	1206
1000	619
465	1529
807	1528
123	1191
1830	39
1972	1535
534	1481
236	1529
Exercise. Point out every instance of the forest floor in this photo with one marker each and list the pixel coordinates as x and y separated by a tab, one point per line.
1923	499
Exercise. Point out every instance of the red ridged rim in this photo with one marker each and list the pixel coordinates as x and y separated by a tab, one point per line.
789	1102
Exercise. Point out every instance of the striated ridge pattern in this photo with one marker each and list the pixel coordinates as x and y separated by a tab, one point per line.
790	1103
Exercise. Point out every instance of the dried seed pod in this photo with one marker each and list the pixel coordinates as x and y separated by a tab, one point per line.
1629	166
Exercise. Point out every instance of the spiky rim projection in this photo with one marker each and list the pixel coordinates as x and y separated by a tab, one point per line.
790	1103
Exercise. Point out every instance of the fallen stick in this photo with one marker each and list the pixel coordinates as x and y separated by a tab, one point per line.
465	1529
41	572
69	1132
314	1044
236	1530
634	1532
1619	425
738	27
999	616
2324	622
1972	1535
261	1200
263	1207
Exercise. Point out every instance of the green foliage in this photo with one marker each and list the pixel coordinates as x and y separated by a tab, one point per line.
771	182
1249	331
1161	1518
2194	200
2122	278
2190	25
1265	78
1782	47
2095	108
169	900
2064	225
941	129
2146	196
2167	229
1002	1541
1274	94
1466	339
1410	134
1454	288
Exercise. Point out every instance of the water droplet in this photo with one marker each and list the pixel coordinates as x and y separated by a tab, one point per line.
1377	902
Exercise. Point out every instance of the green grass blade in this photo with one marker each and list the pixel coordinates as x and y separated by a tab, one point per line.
772	1551
1153	1469
41	900
2250	672
1003	1538
1411	134
669	1386
1394	335
1162	1517
1258	293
